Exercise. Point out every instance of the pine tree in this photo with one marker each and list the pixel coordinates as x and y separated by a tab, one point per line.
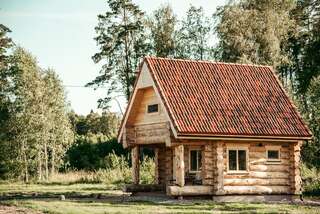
121	39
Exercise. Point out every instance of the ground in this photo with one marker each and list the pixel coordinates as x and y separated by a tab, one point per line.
99	198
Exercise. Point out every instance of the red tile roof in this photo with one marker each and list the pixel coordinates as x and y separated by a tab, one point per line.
218	99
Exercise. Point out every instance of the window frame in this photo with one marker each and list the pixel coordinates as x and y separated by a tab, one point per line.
151	113
237	171
199	169
273	160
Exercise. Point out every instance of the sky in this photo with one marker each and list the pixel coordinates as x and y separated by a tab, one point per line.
59	33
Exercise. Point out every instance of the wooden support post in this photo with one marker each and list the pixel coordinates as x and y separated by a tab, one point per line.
156	169
179	165
135	164
295	172
220	169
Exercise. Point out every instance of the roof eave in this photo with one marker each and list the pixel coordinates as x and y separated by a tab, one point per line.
241	137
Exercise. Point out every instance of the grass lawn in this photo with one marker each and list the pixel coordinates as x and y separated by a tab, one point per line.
80	198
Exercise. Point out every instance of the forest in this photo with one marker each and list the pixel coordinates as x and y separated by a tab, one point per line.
42	138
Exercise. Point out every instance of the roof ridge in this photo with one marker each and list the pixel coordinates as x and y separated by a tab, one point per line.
206	61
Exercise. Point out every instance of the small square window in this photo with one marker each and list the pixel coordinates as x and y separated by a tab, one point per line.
273	155
152	108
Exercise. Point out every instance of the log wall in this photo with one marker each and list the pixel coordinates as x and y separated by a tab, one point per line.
262	177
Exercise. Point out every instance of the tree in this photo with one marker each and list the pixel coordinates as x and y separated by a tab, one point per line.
27	123
193	40
162	25
121	39
60	133
5	92
249	31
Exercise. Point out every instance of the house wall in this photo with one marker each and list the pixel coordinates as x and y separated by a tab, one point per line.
262	177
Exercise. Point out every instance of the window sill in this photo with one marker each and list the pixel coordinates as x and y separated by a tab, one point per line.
273	162
237	172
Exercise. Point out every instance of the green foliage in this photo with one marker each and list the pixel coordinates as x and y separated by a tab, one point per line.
37	129
88	154
311	180
249	31
121	39
194	38
162	25
147	170
105	124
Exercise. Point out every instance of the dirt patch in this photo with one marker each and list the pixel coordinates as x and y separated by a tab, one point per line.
4	209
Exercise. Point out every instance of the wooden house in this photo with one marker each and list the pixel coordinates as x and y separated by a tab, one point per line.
216	128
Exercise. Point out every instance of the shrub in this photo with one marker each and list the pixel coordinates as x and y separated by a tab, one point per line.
117	172
310	180
89	154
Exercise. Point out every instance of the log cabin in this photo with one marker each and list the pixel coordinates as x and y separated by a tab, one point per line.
215	129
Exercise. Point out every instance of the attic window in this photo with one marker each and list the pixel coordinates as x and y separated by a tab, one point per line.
153	108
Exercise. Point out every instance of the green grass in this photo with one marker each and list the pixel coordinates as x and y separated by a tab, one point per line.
80	199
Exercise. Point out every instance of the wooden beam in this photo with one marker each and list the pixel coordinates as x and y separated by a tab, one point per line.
256	189
189	190
220	168
179	165
295	169
135	164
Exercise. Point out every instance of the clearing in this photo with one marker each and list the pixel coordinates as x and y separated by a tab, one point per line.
100	198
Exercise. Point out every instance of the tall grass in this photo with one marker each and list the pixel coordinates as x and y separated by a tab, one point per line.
310	180
117	173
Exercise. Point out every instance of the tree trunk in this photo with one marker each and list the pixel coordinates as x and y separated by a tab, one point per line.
39	166
52	161
26	174
46	161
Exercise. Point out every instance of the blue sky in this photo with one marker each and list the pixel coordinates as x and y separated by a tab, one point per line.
60	34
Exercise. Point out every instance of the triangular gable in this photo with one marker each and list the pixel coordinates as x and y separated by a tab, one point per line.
144	81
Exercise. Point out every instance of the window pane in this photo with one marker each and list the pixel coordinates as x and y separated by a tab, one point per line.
273	154
199	160
152	108
242	160
193	161
232	160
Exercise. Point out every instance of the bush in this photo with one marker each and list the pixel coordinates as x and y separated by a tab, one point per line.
117	172
89	154
310	180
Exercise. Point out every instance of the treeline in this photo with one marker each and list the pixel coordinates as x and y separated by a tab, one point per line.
35	130
284	34
39	134
94	141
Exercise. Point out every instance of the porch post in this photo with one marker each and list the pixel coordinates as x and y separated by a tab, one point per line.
135	164
179	165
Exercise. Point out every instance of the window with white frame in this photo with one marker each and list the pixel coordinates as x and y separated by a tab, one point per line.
273	153
237	160
195	160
